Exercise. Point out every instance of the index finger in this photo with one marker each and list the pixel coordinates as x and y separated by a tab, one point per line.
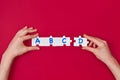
93	39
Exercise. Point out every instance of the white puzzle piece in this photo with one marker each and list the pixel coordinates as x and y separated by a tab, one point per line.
40	41
80	41
54	41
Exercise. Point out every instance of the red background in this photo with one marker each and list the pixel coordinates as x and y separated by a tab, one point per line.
99	18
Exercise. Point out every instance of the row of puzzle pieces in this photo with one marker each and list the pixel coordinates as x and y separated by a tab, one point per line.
58	41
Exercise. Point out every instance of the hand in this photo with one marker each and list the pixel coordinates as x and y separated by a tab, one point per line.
17	46
99	48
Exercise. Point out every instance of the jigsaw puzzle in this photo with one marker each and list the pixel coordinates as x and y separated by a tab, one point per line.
59	41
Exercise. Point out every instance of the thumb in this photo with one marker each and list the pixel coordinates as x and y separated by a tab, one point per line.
32	48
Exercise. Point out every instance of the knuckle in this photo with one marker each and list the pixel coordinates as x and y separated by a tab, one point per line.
26	31
102	44
27	49
29	36
105	42
18	33
19	39
95	51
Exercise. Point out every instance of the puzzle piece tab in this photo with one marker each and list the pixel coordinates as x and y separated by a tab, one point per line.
80	41
54	41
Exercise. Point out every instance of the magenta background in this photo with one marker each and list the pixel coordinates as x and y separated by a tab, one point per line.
99	18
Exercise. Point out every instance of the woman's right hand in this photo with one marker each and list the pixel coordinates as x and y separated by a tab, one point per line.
99	48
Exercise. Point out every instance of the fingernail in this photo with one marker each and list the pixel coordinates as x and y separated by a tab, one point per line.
38	48
35	29
31	28
37	34
25	27
83	48
84	34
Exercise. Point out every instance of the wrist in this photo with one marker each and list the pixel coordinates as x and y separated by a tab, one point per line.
8	55
111	61
107	59
114	67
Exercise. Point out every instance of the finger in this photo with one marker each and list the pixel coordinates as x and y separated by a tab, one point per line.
27	37
30	28
88	49
93	39
32	48
94	45
24	28
29	31
20	32
90	44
